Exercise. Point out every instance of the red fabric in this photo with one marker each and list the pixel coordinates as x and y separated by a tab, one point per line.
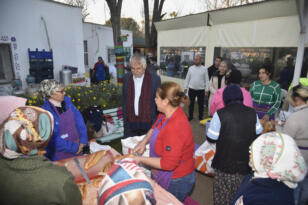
97	64
144	100
177	134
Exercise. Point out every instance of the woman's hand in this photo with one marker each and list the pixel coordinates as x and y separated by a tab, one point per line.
140	148
265	118
80	148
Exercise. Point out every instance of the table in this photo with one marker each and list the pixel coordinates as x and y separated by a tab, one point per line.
161	195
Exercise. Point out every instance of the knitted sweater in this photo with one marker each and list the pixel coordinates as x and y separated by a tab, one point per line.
266	95
35	180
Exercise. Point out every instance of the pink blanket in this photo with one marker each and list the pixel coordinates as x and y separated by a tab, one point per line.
8	104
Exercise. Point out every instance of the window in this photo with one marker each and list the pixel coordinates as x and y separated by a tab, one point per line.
175	61
6	64
85	50
249	60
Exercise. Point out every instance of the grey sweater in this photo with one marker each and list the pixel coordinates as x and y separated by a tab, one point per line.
296	127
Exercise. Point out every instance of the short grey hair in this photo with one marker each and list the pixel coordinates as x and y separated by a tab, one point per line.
138	58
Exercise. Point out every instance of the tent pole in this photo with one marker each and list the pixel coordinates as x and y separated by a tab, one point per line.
302	9
299	58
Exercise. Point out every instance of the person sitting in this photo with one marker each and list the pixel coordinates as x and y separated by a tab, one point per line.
277	166
70	132
26	176
235	78
171	144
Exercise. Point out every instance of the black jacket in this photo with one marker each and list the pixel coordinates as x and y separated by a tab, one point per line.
237	132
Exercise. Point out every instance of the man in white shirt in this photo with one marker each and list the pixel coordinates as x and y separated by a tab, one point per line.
197	81
139	89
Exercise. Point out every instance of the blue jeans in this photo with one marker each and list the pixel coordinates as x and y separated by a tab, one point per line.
301	192
181	187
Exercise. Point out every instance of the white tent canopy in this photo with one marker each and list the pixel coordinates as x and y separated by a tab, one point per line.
263	24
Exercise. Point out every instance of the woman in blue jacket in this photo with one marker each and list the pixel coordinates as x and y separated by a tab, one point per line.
70	133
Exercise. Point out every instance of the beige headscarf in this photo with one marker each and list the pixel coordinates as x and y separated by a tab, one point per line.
275	155
26	131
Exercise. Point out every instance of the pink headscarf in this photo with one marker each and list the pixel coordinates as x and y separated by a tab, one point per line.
8	104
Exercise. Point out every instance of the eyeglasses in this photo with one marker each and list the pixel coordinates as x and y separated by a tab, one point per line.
61	91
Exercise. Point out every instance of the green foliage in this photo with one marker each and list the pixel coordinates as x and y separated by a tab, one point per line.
105	94
129	24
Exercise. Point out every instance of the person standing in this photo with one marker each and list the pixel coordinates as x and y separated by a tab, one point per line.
100	71
296	127
218	80
139	88
70	133
287	74
266	95
233	128
215	66
197	81
171	144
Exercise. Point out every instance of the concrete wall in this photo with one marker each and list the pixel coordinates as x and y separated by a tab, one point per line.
22	26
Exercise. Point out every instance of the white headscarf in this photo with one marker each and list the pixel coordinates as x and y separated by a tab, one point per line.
275	155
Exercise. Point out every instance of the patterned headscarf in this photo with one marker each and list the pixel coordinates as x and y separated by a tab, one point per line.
49	87
275	155
26	131
126	184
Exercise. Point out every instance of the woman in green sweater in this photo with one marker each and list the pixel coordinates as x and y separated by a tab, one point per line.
26	176
266	95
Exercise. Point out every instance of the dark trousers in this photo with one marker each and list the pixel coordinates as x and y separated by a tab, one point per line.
200	97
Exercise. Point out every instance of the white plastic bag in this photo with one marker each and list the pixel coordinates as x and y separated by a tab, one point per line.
130	143
204	157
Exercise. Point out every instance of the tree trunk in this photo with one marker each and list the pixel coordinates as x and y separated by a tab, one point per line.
157	16
115	17
147	24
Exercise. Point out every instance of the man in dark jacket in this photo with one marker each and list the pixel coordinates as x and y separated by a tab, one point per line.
139	90
211	70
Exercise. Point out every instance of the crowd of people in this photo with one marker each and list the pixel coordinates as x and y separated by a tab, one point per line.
252	165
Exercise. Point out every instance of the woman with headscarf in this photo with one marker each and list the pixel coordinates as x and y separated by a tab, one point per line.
217	80
277	166
70	132
266	95
26	176
232	128
296	126
171	144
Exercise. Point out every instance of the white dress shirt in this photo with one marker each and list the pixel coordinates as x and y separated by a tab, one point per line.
138	86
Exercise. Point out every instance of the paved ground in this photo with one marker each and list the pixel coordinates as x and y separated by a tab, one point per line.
203	190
